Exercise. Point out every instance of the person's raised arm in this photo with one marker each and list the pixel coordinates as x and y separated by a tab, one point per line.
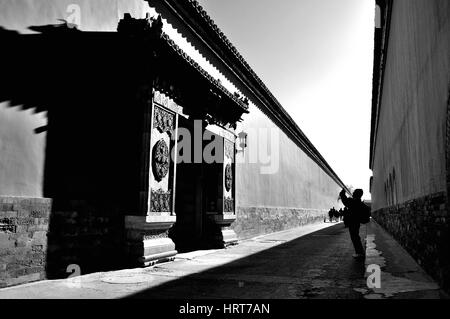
344	198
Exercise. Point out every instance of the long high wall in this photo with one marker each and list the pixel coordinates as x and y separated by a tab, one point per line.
409	190
277	185
411	133
283	181
21	151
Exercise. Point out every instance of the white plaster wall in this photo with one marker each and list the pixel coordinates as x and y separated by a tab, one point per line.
97	15
21	151
411	132
297	182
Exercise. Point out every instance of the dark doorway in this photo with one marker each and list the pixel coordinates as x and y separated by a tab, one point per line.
195	197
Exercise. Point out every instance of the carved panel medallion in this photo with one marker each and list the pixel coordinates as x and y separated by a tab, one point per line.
228	205
161	201
228	177
161	160
163	121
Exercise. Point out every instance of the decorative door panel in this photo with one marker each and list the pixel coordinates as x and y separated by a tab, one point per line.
228	177
162	161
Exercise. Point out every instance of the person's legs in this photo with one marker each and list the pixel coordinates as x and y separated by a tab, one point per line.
356	240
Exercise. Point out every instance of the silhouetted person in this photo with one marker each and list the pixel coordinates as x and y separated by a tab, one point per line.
336	215
330	214
344	215
352	219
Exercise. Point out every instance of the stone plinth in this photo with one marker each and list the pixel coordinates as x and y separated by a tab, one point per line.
147	239
227	235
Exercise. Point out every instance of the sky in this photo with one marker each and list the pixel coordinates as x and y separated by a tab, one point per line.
316	58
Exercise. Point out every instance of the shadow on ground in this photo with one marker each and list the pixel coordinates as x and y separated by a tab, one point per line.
318	265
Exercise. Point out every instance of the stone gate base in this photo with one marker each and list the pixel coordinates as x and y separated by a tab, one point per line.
147	241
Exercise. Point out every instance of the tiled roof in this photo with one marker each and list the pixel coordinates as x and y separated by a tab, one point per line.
205	74
151	27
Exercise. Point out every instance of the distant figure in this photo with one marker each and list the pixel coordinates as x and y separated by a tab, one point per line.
352	219
336	215
341	214
330	214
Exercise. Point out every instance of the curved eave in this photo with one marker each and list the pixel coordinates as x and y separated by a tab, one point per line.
235	100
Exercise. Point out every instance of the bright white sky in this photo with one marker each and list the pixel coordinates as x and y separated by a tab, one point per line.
316	57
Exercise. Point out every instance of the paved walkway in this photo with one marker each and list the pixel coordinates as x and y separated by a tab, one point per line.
309	262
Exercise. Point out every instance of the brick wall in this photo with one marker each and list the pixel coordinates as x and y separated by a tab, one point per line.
422	227
24	224
254	221
40	238
86	233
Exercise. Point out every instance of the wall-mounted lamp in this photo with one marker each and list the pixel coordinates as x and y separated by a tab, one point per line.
242	136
